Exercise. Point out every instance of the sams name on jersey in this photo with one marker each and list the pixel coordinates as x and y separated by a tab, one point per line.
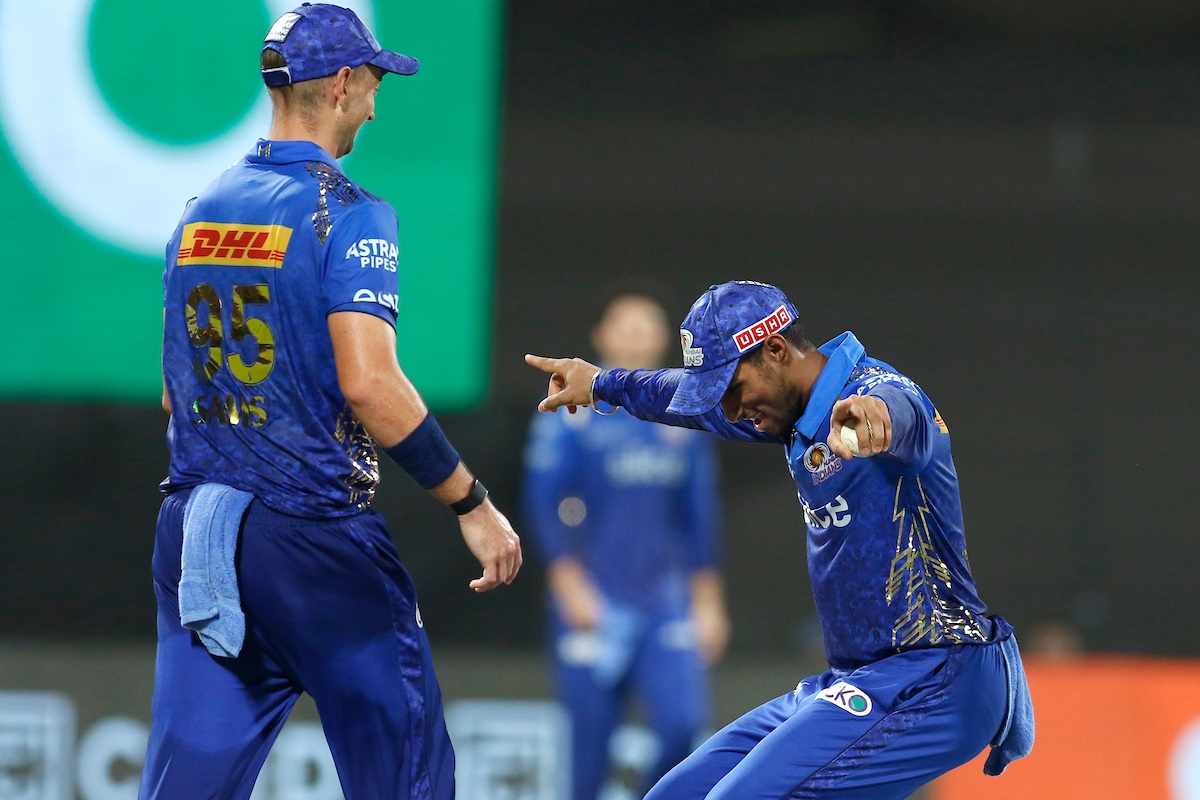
229	410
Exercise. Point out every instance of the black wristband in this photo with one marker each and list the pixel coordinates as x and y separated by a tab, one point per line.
472	501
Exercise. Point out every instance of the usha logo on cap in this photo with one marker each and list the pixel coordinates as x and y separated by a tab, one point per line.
754	334
692	356
847	698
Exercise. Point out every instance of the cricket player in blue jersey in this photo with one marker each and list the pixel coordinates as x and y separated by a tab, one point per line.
626	516
273	575
921	679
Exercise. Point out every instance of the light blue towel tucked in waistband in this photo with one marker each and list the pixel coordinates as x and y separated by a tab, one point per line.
209	602
1015	738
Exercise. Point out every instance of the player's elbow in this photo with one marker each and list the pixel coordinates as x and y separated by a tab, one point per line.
360	390
372	396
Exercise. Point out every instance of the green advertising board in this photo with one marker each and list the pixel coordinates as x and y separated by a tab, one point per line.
114	112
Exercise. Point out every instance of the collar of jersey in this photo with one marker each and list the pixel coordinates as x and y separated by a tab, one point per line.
844	353
290	152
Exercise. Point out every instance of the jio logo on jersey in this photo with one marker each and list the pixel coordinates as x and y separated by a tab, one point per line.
847	698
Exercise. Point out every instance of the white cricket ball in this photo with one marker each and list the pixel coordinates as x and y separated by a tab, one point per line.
850	436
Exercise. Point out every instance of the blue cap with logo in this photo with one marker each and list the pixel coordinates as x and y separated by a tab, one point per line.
318	39
728	321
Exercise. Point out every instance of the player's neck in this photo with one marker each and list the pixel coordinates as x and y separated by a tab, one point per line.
293	128
806	368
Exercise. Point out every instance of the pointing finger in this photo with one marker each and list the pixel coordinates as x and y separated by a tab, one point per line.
543	363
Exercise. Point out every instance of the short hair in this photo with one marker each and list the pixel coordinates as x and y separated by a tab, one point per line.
303	97
794	335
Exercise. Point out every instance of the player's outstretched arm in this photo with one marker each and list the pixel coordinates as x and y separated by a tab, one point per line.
570	381
644	393
392	411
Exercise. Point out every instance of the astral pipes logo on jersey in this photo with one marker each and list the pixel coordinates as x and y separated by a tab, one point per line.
821	463
692	356
755	334
374	254
847	698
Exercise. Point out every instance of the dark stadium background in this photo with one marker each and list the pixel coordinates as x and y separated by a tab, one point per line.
1000	198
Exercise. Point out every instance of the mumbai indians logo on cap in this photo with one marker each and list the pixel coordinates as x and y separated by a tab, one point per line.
754	334
692	356
847	698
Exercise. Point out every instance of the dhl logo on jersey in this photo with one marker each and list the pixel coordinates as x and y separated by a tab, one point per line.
233	245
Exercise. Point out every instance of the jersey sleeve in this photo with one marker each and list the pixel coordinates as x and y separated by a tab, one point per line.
701	507
913	425
361	259
551	456
647	393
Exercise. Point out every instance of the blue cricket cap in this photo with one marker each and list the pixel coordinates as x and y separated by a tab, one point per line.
728	321
318	39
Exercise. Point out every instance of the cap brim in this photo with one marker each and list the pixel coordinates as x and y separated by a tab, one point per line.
395	63
699	392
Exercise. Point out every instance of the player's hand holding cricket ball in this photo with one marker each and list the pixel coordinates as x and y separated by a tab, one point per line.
570	381
860	425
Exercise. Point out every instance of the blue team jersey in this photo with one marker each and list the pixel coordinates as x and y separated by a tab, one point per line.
635	503
887	554
278	242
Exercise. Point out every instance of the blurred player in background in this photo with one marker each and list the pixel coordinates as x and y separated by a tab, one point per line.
921	679
626	514
272	573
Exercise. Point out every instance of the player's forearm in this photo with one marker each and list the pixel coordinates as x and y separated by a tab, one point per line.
387	405
576	595
395	416
708	590
419	445
708	614
646	393
912	431
565	575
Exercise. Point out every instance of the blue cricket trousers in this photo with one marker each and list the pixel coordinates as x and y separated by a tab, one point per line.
877	733
330	611
665	672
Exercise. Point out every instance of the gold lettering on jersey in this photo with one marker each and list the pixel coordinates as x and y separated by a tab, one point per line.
914	584
233	244
228	409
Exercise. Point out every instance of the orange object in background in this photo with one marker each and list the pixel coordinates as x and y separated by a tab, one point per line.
1108	728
